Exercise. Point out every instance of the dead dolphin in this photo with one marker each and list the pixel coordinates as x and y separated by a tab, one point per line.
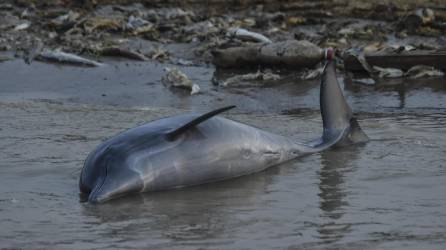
193	149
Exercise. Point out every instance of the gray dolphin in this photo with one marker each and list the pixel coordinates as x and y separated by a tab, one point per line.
193	149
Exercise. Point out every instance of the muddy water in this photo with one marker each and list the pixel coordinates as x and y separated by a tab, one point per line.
387	194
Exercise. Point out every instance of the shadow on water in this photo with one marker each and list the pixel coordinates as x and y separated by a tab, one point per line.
335	165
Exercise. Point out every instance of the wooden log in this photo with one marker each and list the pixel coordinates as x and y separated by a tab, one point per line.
404	60
290	53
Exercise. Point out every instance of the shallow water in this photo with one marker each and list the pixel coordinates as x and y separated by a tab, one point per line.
387	194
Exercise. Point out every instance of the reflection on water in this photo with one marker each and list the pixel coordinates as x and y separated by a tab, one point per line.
192	214
335	165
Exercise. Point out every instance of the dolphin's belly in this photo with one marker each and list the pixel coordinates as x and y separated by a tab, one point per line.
216	150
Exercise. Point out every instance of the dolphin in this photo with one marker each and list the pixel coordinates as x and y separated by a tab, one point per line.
193	149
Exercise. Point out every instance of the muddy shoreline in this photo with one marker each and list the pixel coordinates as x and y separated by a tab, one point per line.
188	32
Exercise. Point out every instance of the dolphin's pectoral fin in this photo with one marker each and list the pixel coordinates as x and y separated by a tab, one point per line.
172	135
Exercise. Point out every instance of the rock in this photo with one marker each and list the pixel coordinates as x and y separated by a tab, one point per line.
137	25
102	23
413	22
64	22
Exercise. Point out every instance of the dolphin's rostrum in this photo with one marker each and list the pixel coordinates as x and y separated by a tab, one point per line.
193	149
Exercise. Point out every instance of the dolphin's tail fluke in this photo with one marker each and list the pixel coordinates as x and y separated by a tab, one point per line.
340	126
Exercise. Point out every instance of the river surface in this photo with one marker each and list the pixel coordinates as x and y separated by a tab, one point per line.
387	194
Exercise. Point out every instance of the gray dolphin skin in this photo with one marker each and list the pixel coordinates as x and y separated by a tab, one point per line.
193	149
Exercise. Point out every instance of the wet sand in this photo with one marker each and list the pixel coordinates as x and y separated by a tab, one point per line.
387	194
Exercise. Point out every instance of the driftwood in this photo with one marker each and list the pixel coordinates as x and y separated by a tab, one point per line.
404	60
290	53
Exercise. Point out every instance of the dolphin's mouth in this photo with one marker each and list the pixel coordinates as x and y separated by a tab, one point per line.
90	193
83	197
91	188
94	196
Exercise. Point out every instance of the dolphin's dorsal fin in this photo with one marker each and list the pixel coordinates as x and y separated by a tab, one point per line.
172	135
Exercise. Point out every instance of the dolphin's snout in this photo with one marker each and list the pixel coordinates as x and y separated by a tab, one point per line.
96	195
95	198
115	186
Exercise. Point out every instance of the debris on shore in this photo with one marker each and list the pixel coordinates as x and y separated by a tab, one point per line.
394	58
175	78
246	35
63	57
311	74
251	34
421	71
259	76
4	58
388	72
125	53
